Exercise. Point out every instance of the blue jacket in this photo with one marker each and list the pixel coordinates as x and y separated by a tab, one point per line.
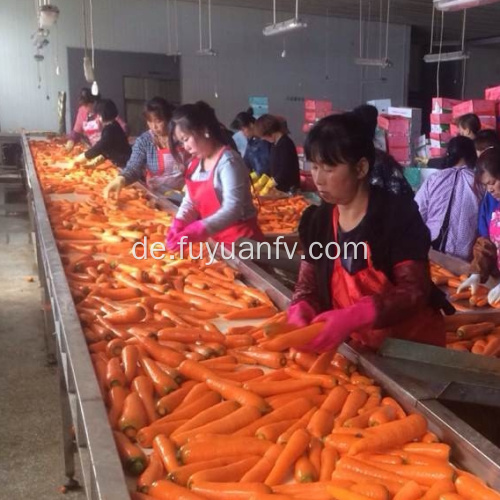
257	155
487	207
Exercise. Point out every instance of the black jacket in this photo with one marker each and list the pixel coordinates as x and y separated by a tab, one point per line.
285	164
393	230
113	145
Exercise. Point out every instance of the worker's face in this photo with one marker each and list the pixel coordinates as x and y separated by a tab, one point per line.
248	132
492	185
339	184
466	132
157	126
194	144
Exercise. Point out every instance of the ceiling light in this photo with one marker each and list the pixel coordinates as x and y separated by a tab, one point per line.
48	15
446	57
380	63
206	52
284	27
95	89
450	5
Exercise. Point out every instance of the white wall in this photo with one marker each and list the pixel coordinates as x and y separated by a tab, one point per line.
319	62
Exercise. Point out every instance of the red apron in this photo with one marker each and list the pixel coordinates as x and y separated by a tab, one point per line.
168	170
426	326
204	198
92	130
494	232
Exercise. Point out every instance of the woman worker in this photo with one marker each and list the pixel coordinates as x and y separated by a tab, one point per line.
284	161
87	126
257	152
385	291
152	154
486	253
218	202
113	143
469	125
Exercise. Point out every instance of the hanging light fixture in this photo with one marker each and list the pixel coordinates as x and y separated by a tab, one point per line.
205	51
287	26
451	5
48	15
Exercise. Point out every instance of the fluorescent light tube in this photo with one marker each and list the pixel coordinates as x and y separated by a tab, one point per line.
446	57
380	63
206	52
284	27
450	5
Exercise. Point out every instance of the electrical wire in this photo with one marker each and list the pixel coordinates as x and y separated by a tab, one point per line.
387	30
274	12
169	30
176	26
92	33
210	24
464	62
296	9
360	28
199	24
438	69
432	28
85	40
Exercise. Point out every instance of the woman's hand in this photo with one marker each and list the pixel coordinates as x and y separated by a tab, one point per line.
176	227
193	233
300	314
340	323
472	282
69	145
112	190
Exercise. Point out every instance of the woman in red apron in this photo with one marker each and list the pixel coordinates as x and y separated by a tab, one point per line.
218	202
152	156
485	266
366	273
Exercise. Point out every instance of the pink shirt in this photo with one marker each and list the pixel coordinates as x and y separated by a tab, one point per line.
81	118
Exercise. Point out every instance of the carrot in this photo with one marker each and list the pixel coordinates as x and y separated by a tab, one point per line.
147	434
465	332
321	423
134	416
163	384
131	314
310	490
272	431
160	353
130	357
335	400
300	424
117	395
195	371
362	420
168	403
114	373
322	363
473	489
258	472
270	359
166	490
387	401
435	450
190	335
410	491
241	376
354	402
294	448
132	457
222	446
182	473
304	471
382	416
153	472
224	473
253	313
392	435
166	451
369	471
314	454
310	393
295	338
229	491
451	496
188	411
430	437
371	490
143	386
492	348
439	488
242	396
268	389
343	494
423	474
114	347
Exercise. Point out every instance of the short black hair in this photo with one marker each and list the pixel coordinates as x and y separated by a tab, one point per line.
485	139
369	115
243	119
460	148
339	139
159	108
471	122
85	97
267	125
489	161
106	109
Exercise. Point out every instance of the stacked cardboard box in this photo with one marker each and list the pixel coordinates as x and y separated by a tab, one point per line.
485	110
315	110
442	126
493	94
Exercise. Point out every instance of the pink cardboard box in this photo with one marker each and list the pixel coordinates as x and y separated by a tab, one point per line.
438	119
400	154
442	105
397	141
313	105
444	137
437	152
488	122
306	127
394	124
453	130
312	116
492	93
477	106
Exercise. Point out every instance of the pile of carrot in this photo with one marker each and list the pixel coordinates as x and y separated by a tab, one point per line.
480	337
281	215
201	414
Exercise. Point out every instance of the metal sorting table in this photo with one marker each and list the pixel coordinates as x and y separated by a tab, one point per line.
83	407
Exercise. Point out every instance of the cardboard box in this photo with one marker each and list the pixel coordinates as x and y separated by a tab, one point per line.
314	115
440	128
488	122
306	127
401	155
436	143
492	93
397	141
441	119
411	113
453	130
382	105
477	106
442	105
314	105
394	124
437	152
444	137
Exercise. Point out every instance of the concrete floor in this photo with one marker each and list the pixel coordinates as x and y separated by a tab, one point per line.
31	460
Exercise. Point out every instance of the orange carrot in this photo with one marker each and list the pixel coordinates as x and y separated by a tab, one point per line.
268	389
165	490
229	491
114	373
262	468
130	358
371	490
343	494
182	473
294	448
439	488
144	388
382	416
160	353
272	431
166	451
329	457
270	359
117	395
147	434
304	471
168	403
134	416
423	474
224	473
410	491
435	450
392	435
153	472
314	454
473	489
163	384
132	457
469	331
354	402
131	314
252	313
300	424
400	413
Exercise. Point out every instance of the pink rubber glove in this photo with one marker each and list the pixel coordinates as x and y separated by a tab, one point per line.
300	314
176	227
194	233
340	323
